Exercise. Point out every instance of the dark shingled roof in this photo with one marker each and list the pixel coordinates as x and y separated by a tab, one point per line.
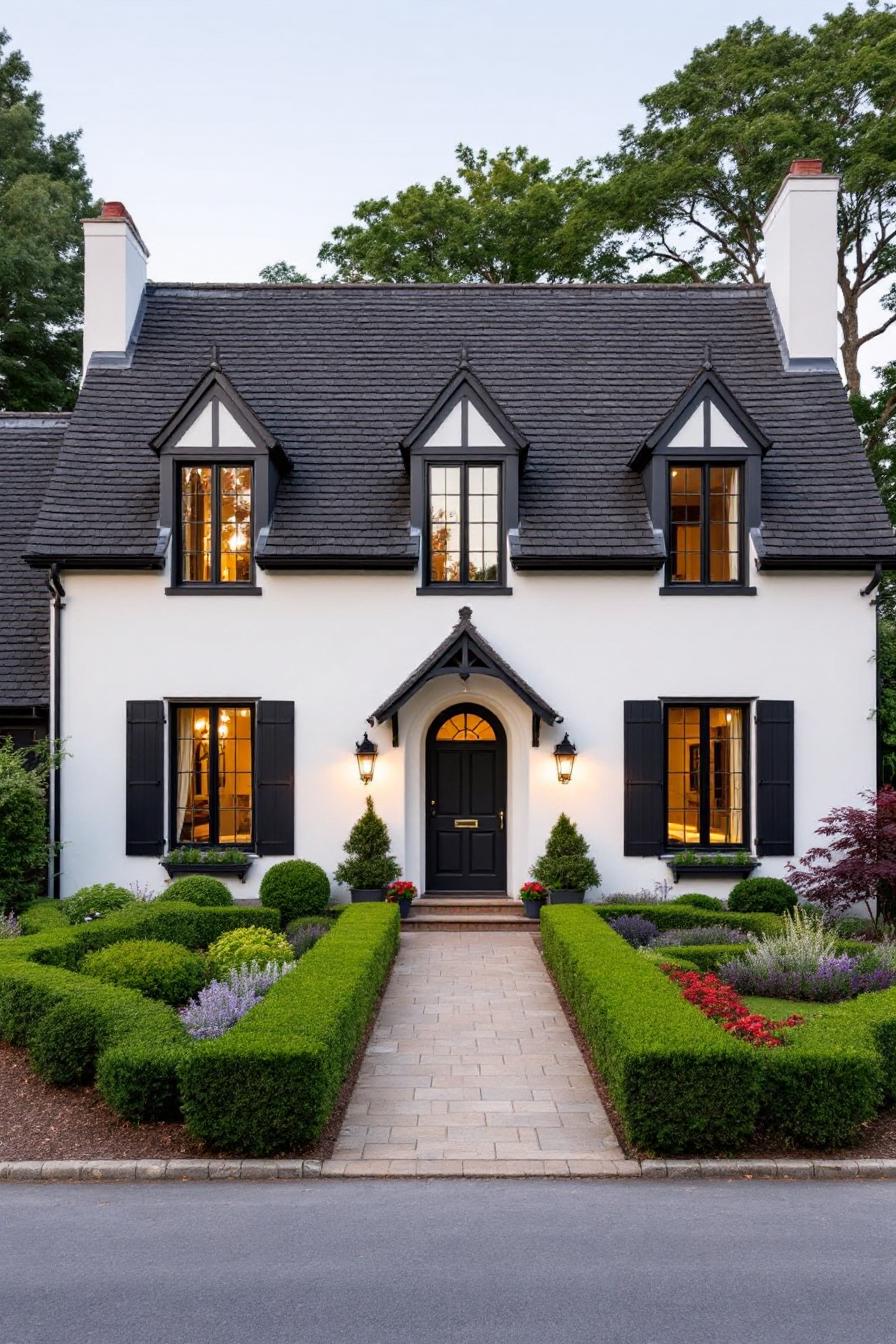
340	374
29	445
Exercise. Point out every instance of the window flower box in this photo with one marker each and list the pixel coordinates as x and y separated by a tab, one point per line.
215	862
698	863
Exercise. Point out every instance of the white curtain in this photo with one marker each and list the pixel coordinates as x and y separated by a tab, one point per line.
185	764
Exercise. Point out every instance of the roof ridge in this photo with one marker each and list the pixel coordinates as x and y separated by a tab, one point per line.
572	287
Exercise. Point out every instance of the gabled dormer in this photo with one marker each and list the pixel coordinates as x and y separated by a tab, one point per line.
465	456
702	473
219	469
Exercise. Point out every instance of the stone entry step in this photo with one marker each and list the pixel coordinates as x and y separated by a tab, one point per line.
495	915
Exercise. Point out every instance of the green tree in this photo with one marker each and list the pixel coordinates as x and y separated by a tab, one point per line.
25	846
507	219
693	184
44	194
282	273
368	863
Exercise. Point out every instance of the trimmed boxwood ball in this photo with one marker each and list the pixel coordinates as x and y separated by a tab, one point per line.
160	970
295	887
95	902
768	895
239	947
697	901
197	890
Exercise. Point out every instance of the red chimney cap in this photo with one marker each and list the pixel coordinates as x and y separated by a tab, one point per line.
113	211
804	168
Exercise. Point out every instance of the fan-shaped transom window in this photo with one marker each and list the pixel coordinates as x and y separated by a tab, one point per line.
466	728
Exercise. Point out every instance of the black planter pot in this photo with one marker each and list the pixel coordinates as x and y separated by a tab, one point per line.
404	907
566	896
533	909
699	870
368	894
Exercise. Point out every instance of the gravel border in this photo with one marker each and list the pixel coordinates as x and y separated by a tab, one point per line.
197	1169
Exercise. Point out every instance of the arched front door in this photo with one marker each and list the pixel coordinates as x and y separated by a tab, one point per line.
466	802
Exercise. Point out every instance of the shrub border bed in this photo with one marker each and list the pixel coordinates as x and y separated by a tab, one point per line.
77	1028
681	1084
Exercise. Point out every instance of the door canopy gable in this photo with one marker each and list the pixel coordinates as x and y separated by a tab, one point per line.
465	653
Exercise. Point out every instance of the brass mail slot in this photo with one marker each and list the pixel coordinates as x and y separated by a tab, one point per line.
466	824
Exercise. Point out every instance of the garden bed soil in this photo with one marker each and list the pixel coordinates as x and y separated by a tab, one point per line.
877	1138
43	1123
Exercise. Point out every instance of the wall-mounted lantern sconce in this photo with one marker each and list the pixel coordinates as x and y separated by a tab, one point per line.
366	754
565	756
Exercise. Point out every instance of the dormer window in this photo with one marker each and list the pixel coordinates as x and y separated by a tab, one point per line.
215	539
706	538
702	473
219	470
464	458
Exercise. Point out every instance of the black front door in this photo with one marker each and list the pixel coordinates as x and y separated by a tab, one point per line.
466	797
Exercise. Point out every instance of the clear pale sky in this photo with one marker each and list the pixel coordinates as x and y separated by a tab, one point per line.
241	133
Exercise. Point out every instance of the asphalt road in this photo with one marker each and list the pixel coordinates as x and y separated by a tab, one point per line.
459	1262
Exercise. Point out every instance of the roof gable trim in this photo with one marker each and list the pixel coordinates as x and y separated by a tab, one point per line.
489	418
729	423
214	404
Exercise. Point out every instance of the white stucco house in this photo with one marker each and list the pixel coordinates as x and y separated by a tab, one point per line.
471	522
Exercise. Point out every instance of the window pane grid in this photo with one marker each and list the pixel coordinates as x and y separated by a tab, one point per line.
213	775
705	759
216	524
464	524
705	524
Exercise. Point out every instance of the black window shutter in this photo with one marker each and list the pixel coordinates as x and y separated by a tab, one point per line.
644	794
774	777
275	784
145	775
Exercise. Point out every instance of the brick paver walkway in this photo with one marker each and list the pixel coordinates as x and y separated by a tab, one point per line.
472	1069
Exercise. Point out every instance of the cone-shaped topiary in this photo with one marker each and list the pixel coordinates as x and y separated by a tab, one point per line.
369	863
566	864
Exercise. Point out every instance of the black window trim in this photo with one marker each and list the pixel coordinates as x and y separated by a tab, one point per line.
215	585
706	584
465	584
213	706
704	706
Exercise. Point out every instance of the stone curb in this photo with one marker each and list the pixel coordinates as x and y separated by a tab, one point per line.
198	1169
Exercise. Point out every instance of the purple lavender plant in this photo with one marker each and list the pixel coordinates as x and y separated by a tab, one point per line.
833	979
216	1008
636	930
10	926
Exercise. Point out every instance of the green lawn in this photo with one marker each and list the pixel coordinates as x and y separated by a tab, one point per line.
777	1009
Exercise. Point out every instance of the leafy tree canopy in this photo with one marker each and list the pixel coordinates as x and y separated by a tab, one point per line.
44	195
507	219
694	183
282	273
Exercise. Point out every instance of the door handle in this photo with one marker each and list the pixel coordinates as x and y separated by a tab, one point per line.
501	820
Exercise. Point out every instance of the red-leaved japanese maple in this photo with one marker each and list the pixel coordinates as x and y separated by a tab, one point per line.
859	863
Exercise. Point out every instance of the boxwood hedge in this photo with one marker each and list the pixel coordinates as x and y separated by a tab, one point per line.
680	1084
269	1084
673	916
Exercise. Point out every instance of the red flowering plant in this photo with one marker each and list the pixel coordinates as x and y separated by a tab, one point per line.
533	891
720	1002
400	891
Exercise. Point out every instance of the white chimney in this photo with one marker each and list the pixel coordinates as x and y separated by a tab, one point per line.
114	279
800	232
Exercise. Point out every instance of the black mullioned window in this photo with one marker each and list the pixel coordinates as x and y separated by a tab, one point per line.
215	524
706	524
212	756
464	511
707	773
